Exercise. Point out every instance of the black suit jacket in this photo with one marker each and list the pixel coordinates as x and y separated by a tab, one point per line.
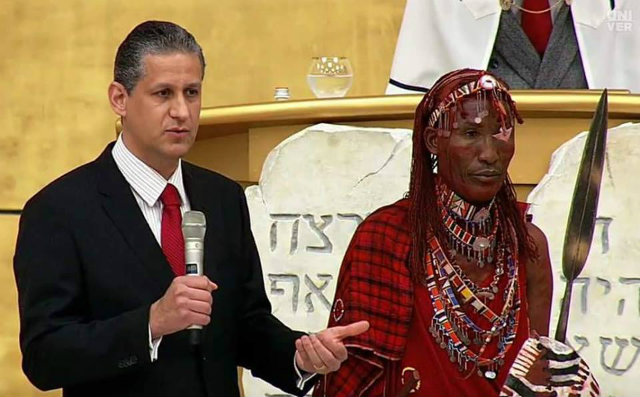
88	268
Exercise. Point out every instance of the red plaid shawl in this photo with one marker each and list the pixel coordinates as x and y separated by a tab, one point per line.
374	285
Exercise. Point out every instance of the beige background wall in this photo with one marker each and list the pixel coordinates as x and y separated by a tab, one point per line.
56	63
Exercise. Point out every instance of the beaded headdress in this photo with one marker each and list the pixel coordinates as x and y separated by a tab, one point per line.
487	89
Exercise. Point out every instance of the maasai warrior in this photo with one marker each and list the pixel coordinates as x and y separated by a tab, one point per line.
453	278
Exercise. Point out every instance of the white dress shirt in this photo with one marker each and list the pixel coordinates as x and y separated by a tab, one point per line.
147	185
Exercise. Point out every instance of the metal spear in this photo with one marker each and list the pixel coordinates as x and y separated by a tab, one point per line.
584	206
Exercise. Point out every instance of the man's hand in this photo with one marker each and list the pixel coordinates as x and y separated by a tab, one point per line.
324	352
186	302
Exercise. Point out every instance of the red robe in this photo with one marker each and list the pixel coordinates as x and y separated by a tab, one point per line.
374	285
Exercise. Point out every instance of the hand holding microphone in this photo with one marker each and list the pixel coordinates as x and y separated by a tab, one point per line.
187	301
194	226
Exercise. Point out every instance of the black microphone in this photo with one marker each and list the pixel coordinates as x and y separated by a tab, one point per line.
194	226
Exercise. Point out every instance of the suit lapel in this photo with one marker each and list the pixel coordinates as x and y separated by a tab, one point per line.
202	199
516	48
561	51
121	207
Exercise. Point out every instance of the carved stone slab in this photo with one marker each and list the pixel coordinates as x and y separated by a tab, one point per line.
315	188
604	324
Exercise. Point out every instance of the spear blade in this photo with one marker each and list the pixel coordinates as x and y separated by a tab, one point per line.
584	206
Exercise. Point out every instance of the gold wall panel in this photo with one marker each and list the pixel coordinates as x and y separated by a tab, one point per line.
229	153
58	59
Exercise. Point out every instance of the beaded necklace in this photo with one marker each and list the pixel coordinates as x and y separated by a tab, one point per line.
468	227
451	327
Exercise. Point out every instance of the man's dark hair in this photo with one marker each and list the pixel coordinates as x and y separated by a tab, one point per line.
151	38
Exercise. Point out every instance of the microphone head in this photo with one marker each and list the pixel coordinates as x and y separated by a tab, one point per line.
194	225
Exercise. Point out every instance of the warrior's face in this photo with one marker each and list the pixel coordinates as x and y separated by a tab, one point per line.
473	158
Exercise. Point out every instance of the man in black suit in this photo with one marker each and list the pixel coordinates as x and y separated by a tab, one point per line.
99	261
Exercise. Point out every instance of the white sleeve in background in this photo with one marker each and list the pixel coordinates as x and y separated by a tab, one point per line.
437	37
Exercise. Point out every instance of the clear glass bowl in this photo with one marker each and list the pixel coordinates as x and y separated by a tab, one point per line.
329	76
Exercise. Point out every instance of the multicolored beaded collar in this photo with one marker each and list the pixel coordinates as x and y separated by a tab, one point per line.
451	292
471	230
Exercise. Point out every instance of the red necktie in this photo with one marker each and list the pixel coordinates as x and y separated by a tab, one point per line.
171	237
537	26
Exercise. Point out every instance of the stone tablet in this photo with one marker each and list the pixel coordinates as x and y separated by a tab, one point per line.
604	324
315	188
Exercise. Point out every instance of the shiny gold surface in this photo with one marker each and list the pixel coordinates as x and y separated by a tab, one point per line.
523	190
58	61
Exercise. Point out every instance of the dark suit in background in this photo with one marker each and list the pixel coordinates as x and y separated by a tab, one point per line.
94	268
